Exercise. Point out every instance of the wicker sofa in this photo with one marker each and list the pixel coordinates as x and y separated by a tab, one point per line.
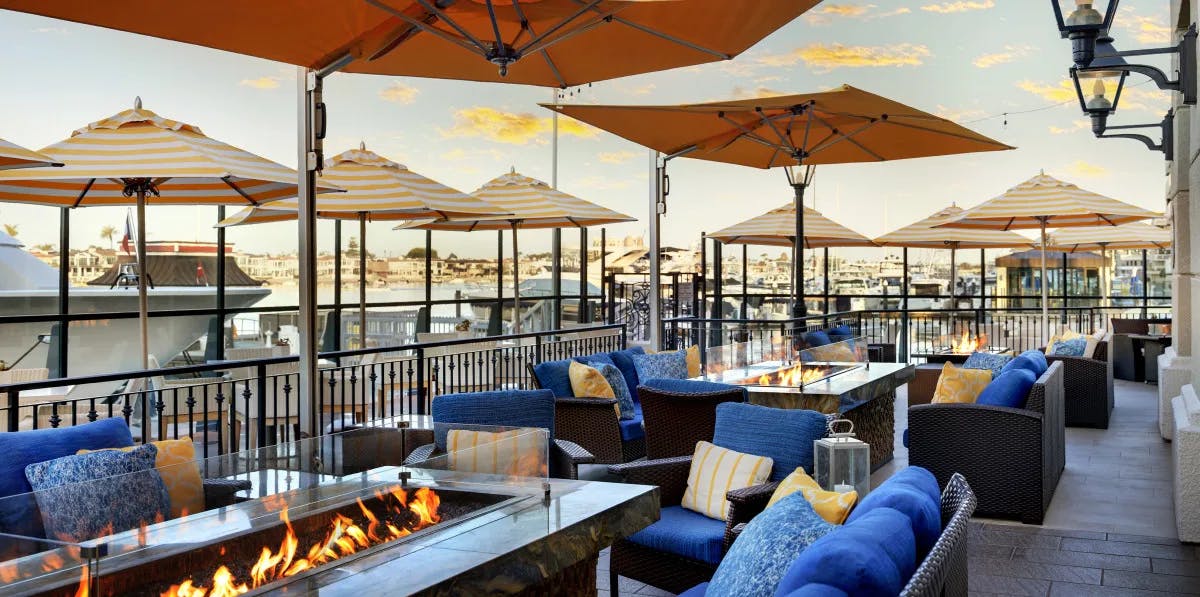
1087	387
1013	457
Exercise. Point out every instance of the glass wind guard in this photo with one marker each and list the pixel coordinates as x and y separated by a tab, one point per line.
813	364
288	513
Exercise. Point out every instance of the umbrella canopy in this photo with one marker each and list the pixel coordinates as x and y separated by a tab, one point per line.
778	228
15	156
178	164
1136	235
846	125
138	157
531	203
1047	202
924	234
375	188
547	42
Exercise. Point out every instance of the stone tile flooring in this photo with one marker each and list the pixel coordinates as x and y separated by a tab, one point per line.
1110	529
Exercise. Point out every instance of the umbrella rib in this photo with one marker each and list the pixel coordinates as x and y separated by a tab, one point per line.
836	138
938	132
1105	218
668	37
782	138
545	55
463	43
235	188
449	21
543	40
747	133
86	188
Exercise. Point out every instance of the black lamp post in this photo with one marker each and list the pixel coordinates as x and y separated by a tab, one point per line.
1084	26
799	177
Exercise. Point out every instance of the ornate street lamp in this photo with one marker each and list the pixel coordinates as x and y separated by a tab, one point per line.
1083	26
800	177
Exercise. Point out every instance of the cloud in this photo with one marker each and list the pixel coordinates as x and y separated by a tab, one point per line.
268	82
55	30
646	89
1086	169
958	115
960	6
1147	30
399	93
616	157
824	14
1062	92
827	57
1009	54
602	183
515	128
1076	126
740	92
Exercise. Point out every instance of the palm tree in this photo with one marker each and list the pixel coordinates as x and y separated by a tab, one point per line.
11	230
108	232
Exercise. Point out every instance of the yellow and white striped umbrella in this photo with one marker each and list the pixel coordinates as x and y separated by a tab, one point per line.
532	204
778	228
1047	201
14	156
377	189
180	164
925	234
1136	235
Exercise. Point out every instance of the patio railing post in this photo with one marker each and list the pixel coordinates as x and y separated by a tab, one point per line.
14	414
261	399
1145	283
421	389
902	333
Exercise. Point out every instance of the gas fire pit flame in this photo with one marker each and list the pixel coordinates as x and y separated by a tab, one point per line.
967	345
796	375
344	537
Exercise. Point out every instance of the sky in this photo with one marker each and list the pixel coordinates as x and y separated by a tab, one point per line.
971	61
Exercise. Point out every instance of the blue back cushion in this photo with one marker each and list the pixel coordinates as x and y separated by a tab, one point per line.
552	375
840	333
691	386
1008	389
664	365
817	338
616	381
509	408
919	478
786	435
20	449
83	497
858	559
623	359
684	533
762	553
1039	359
1022	362
815	589
924	511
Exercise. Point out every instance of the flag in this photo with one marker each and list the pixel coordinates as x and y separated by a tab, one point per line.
128	237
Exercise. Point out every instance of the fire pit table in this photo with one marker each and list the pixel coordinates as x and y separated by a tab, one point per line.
865	393
958	358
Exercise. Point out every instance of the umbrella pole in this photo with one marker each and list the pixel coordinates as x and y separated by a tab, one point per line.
143	300
362	279
1045	288
799	309
516	282
953	275
1103	274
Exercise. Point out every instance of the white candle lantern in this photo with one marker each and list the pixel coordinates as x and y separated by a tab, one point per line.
841	459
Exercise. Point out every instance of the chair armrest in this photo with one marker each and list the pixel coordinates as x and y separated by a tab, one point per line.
669	474
219	493
745	504
420	454
575	452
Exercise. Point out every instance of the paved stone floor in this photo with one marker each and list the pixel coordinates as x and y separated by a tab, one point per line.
1110	529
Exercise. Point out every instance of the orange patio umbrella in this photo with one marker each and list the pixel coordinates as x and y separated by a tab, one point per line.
841	126
14	156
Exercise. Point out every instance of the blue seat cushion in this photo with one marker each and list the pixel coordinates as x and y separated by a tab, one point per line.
553	376
86	496
860	560
684	533
987	360
816	589
924	511
696	591
623	359
1010	389
506	408
632	428
786	435
19	516
691	386
817	338
768	545
661	365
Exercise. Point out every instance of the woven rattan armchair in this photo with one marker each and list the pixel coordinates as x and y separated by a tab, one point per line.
676	420
1087	388
593	424
1013	457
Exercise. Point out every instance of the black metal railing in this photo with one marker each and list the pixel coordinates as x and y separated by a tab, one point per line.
226	406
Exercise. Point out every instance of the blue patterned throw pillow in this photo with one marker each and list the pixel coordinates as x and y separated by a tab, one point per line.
90	495
620	389
987	360
661	365
758	559
1069	348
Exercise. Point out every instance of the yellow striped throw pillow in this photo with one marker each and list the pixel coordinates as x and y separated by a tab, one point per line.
716	471
517	453
958	385
833	506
